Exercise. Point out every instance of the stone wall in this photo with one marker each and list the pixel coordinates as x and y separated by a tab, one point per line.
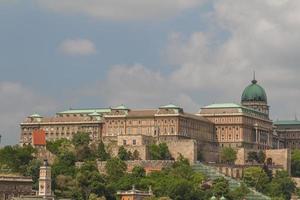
185	147
14	186
148	165
280	157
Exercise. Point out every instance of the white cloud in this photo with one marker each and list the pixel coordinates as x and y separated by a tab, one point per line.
77	47
261	35
138	87
120	9
17	102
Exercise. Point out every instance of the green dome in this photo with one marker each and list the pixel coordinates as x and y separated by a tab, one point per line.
254	92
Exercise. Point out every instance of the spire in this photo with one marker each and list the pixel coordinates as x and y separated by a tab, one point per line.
254	81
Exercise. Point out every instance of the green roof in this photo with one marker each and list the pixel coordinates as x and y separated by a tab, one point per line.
254	92
121	107
95	114
35	115
233	105
85	111
287	122
224	105
171	106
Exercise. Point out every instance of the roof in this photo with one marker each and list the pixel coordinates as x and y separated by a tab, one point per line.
241	109
121	107
170	106
223	105
56	119
35	115
39	137
287	122
254	92
85	111
142	113
95	114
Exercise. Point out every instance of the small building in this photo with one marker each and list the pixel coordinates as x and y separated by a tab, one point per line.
14	186
45	191
134	194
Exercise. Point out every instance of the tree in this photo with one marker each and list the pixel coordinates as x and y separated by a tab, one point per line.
220	187
136	155
256	177
160	152
239	193
33	170
228	155
83	152
17	158
281	186
115	168
57	146
138	172
295	165
101	153
123	154
261	157
81	139
252	156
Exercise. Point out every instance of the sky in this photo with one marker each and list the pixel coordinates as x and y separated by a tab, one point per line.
61	54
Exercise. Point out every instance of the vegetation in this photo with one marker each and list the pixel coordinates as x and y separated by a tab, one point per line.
228	155
295	165
178	182
281	186
159	152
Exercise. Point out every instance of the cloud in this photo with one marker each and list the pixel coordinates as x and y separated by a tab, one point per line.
77	47
138	87
17	102
256	35
120	10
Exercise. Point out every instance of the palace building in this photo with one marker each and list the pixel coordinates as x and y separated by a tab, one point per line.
246	125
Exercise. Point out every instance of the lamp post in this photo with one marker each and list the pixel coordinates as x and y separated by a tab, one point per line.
0	139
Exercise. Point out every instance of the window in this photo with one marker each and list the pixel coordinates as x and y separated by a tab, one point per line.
124	142
134	142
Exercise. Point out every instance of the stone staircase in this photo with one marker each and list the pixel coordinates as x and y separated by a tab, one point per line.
212	173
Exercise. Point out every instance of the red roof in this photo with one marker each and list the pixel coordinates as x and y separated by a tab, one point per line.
39	137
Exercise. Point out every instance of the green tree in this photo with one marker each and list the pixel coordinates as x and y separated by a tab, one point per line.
295	163
228	155
160	152
83	152
220	187
261	157
256	177
58	146
136	155
123	154
115	168
80	139
252	156
33	170
138	172
17	158
88	181
101	153
239	193
281	186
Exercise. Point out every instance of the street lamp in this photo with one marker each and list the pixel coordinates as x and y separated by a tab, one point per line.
0	138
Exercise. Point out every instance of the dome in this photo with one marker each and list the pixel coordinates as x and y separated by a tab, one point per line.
254	92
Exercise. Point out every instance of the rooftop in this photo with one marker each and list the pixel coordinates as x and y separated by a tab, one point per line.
287	122
85	111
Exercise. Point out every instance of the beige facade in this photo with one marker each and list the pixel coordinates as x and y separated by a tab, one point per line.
61	126
288	132
14	186
239	126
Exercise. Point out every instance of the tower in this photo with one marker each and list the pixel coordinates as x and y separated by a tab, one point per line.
45	180
254	96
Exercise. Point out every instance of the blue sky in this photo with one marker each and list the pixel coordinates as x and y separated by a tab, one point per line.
56	54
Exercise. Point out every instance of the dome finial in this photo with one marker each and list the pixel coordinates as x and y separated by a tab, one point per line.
254	81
